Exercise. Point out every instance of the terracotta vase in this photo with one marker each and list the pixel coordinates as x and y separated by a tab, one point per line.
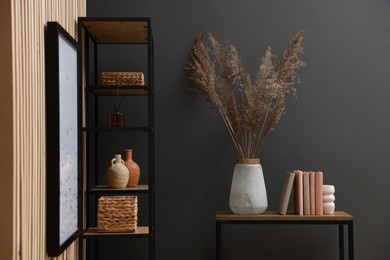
248	194
134	171
117	173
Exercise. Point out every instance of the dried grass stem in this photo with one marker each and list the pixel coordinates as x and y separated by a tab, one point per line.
250	110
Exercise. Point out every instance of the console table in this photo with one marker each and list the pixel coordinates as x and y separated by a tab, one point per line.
339	218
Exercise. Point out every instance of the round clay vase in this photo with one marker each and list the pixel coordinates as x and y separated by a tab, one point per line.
248	194
134	171
117	173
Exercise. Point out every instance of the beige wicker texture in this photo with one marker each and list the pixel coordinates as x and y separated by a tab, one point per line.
122	79
117	214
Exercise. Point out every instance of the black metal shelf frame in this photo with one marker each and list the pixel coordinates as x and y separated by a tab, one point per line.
92	133
105	90
118	129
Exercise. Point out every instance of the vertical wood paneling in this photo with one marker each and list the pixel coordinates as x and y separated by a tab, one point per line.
6	133
23	123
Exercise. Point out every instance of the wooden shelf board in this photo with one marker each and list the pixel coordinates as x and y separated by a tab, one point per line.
118	32
228	216
142	231
106	189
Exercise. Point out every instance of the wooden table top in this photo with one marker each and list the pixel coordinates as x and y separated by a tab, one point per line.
228	216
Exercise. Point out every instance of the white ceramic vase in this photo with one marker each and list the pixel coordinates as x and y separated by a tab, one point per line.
248	194
117	173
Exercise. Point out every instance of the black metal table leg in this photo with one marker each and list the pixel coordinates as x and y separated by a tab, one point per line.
350	241
341	241
218	241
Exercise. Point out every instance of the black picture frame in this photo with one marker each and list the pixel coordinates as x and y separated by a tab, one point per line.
63	139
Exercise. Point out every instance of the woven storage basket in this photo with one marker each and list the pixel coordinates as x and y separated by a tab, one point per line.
122	79
117	214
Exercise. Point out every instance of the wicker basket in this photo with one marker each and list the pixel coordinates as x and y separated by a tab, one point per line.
117	214
122	79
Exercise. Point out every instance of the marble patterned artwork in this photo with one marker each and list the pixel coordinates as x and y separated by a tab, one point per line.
68	140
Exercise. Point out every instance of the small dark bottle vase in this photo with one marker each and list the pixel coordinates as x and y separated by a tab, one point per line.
116	119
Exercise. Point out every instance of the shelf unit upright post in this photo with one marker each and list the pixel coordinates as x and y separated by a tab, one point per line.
114	31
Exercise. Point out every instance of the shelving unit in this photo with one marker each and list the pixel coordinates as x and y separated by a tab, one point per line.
94	32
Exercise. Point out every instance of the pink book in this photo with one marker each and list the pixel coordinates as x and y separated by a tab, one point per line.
286	192
312	179
319	193
298	194
306	193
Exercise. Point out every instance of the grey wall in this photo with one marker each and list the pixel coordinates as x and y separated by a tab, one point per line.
339	124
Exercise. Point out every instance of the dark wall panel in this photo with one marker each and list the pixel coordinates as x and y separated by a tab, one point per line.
339	123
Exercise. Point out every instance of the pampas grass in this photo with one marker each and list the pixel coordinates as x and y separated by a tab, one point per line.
249	108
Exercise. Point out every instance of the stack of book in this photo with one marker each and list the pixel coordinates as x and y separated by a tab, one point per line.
308	192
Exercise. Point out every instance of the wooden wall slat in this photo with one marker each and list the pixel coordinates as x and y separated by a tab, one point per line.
6	133
26	110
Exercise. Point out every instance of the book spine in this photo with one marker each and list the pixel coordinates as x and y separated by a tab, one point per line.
306	193
312	193
286	192
319	193
298	194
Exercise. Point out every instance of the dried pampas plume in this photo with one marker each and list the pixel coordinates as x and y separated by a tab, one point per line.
250	109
